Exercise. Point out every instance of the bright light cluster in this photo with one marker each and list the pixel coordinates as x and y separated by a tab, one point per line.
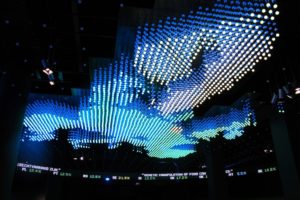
229	39
178	63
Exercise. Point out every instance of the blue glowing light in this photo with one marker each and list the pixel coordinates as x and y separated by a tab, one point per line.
146	97
205	52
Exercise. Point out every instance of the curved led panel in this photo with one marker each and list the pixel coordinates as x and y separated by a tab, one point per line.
177	63
230	38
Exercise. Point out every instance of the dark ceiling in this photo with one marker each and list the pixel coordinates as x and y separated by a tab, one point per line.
66	33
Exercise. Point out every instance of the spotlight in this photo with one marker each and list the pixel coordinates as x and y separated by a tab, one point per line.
297	90
51	83
48	71
107	179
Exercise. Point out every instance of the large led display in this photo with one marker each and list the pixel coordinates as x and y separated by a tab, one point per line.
146	97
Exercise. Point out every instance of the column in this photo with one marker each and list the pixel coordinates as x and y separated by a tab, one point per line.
217	184
13	95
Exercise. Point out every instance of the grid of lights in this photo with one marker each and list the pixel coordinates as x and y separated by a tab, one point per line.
231	124
147	100
44	117
162	137
231	38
